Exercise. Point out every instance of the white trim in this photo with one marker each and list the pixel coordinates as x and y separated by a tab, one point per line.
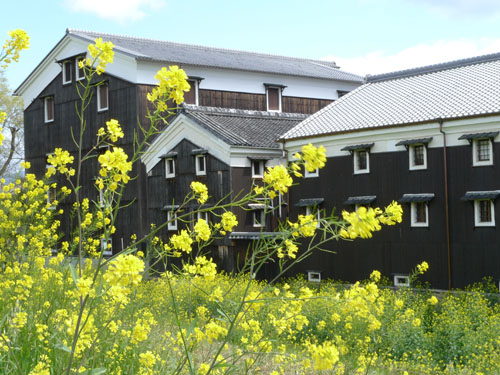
401	280
102	202
475	161
77	69
308	174
46	111
196	91
413	213
280	99
51	196
314	276
65	79
310	211
202	215
200	172
169	173
261	167
257	223
172	220
477	217
355	158
99	109
105	245
411	156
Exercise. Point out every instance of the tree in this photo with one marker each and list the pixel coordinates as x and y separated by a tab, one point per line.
11	150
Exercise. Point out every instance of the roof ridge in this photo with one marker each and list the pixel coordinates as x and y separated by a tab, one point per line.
199	46
244	112
434	68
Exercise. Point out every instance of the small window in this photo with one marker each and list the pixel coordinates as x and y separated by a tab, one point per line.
273	98
191	97
314	276
172	220
257	168
48	104
202	215
310	211
258	218
67	69
482	150
106	246
102	199
170	168
418	157
102	97
484	213
51	197
200	162
79	73
361	161
401	280
308	174
419	214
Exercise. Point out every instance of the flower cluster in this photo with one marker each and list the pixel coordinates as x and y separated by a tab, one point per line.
313	157
114	130
200	190
114	165
172	83
102	54
202	230
201	267
182	241
278	179
18	41
228	221
60	160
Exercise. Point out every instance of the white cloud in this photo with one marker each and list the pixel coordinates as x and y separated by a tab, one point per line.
463	8
116	10
377	62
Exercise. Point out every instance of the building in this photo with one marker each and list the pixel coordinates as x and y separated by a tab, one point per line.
428	138
219	78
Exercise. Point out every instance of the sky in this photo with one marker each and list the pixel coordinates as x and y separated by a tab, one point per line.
361	36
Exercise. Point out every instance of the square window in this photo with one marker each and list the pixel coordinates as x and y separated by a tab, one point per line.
273	99
106	246
308	174
314	276
48	104
170	168
484	213
79	73
200	162
419	214
361	161
172	220
258	218
202	215
257	168
67	69
191	97
310	211
418	157
401	280
482	152
102	97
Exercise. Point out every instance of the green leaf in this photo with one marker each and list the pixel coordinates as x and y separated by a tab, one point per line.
62	347
73	273
96	371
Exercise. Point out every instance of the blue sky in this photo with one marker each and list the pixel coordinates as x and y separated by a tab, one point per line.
362	36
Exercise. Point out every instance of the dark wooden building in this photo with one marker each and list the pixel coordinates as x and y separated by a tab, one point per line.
425	137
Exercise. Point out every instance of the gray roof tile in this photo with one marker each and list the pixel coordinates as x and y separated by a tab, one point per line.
450	91
177	53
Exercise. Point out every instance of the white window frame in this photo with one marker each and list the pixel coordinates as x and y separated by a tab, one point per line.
169	173
477	213
411	155
196	90
45	109
65	79
51	196
262	222
475	161
202	215
314	276
102	202
105	245
197	165
308	174
355	159
172	220
77	70
280	99
310	211
401	280
413	213
99	108
261	166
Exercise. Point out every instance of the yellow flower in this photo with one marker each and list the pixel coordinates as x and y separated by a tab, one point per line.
19	40
432	300
278	178
314	158
200	190
182	241
228	221
375	276
101	53
422	267
60	159
114	130
172	83
202	230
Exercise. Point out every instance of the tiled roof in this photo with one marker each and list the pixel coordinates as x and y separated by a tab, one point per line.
164	51
459	89
240	127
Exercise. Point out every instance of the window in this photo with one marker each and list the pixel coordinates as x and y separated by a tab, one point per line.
314	276
401	280
308	174
482	152
258	217
200	161
106	246
102	199
172	220
67	69
257	168
48	104
79	73
273	99
169	168
484	213
202	215
418	157
341	93
310	211
51	197
419	214
191	97
361	161
102	97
